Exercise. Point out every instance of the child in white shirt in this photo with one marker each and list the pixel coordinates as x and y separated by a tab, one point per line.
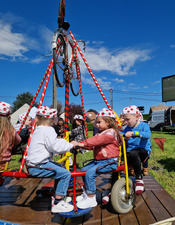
44	143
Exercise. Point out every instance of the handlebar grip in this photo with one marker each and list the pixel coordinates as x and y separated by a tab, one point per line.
134	135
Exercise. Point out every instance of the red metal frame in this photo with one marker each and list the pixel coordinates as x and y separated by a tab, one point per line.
74	173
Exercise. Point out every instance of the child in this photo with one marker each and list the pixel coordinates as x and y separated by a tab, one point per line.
8	135
59	128
105	145
24	133
44	143
77	132
138	147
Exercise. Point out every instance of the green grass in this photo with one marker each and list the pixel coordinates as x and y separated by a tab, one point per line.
164	160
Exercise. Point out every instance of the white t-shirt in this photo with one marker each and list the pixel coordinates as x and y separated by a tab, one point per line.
44	143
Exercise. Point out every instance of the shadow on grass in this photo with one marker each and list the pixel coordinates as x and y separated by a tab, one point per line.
168	164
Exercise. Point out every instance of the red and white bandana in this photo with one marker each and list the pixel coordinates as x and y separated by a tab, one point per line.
21	117
46	112
5	109
106	112
133	109
78	117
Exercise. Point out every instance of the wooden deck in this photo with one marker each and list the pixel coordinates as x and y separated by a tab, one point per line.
19	204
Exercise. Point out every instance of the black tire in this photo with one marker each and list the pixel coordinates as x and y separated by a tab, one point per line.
118	196
74	82
59	55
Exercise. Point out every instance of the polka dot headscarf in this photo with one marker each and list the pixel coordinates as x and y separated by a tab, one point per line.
131	110
106	112
5	109
46	112
78	117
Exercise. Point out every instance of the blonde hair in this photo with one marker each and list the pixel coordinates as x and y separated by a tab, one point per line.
112	124
7	132
41	120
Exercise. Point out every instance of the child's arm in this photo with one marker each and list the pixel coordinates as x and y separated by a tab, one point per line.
97	141
145	132
17	139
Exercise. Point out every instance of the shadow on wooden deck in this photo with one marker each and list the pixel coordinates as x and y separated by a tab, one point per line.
19	204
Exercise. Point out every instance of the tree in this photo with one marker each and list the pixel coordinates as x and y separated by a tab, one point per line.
21	99
73	110
59	108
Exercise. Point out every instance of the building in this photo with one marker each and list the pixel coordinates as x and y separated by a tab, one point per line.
91	115
159	107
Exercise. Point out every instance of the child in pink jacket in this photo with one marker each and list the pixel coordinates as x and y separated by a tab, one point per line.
105	145
8	135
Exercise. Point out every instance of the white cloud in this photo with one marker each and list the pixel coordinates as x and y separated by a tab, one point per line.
145	86
119	62
105	85
133	86
172	46
11	44
156	82
119	80
17	45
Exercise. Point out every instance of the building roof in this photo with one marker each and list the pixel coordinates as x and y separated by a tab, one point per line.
93	110
160	107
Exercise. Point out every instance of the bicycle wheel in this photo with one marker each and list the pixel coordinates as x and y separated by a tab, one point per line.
59	55
118	196
74	82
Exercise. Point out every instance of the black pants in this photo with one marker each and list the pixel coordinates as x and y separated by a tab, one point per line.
135	157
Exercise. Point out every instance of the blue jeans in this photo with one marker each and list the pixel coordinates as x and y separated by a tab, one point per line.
55	171
91	174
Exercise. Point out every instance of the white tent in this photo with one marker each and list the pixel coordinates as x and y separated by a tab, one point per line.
23	109
14	116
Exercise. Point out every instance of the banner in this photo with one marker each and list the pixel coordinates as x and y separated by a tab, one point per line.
160	142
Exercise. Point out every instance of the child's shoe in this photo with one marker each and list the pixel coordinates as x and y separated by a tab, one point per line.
66	199
105	199
139	186
62	206
87	202
145	171
83	195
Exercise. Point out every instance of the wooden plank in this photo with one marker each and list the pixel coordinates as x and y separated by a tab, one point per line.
142	212
157	209
128	218
167	201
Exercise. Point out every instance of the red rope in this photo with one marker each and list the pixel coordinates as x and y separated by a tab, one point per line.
66	124
80	87
34	98
92	75
49	69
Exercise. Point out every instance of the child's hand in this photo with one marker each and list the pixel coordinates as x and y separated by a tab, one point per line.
129	134
80	144
74	143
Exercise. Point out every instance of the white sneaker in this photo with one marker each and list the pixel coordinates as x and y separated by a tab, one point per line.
83	195
66	199
87	202
62	206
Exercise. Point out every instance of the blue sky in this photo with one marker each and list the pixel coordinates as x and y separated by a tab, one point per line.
130	46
